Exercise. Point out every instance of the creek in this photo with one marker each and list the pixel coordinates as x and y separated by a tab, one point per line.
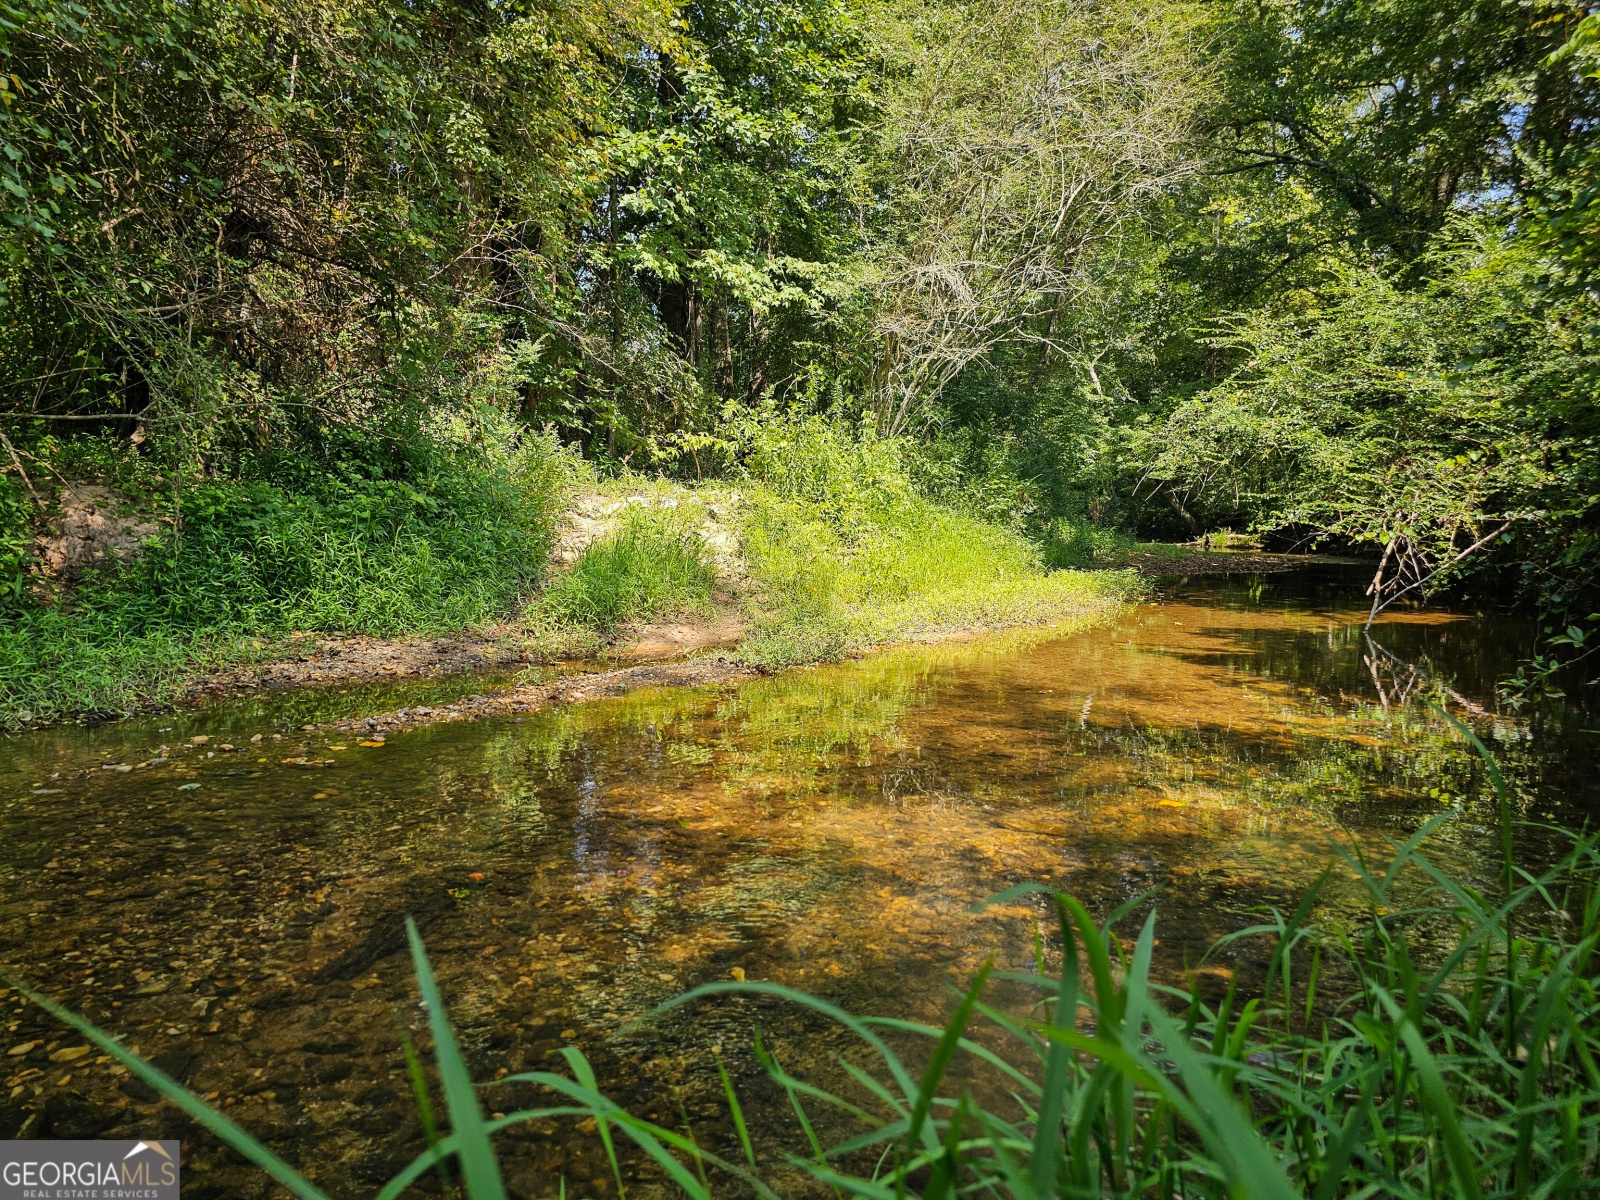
234	907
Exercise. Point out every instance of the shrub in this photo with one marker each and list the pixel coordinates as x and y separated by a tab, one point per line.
847	552
654	564
841	471
457	540
1069	543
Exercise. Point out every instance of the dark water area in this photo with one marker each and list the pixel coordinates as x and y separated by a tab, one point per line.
234	909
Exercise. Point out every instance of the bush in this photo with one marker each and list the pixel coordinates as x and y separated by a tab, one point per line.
456	541
1069	543
16	534
654	564
842	471
847	552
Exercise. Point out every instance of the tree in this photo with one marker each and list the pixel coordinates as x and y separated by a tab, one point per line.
232	217
1020	140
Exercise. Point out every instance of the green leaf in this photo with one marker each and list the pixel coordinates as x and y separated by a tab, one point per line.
480	1170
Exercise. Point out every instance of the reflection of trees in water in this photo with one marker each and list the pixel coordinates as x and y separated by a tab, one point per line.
784	735
1414	685
1398	681
1339	756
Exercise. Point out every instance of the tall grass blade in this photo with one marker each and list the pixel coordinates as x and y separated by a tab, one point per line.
201	1112
424	1102
480	1169
737	1112
942	1053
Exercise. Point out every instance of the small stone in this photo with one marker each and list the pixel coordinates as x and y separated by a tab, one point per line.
255	738
200	739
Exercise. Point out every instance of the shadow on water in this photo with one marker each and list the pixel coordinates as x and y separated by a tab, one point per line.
234	908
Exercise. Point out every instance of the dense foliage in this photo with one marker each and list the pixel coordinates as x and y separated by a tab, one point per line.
1321	272
249	562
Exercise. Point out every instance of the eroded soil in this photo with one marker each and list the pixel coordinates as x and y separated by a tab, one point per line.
1181	560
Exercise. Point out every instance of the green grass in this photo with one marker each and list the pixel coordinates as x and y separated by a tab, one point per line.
1436	1039
458	541
844	553
653	565
1069	543
439	535
826	586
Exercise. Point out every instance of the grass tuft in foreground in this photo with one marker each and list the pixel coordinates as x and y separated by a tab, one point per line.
1460	1057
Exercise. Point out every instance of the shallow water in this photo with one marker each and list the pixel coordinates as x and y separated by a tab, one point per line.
237	916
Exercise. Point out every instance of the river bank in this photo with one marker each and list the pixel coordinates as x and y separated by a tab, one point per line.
634	571
315	661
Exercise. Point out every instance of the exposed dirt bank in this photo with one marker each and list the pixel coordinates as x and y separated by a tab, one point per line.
1180	560
316	660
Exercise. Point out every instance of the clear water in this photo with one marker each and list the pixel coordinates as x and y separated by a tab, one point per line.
236	916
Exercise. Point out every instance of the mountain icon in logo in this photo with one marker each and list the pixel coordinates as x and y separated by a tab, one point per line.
138	1147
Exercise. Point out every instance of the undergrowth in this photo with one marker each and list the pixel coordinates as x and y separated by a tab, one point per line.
654	564
428	534
845	551
1458	1057
453	537
1069	543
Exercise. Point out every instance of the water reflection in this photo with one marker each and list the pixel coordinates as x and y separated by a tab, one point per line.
236	913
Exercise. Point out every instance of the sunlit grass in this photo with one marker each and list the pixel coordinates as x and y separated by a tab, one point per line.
653	565
830	581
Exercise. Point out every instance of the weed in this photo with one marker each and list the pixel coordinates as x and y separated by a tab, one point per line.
457	542
1070	543
845	553
655	563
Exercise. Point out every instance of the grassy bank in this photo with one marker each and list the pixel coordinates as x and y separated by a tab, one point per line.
1412	1034
846	552
830	546
440	537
